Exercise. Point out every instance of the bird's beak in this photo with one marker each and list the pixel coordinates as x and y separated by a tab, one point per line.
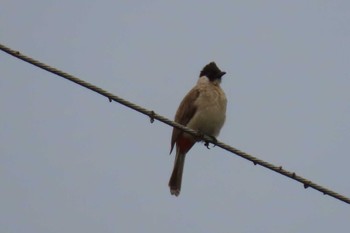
222	73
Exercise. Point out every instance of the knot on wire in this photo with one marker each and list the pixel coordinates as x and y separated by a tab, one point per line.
306	185
151	117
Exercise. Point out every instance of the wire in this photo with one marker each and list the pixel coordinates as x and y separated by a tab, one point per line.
153	115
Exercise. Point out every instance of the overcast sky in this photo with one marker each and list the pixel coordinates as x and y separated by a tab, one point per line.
70	161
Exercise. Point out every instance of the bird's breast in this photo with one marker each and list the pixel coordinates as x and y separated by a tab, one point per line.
211	111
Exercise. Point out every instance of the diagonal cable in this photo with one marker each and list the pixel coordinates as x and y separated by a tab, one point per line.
153	115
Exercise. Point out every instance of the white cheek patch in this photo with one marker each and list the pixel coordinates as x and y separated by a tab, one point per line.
205	79
217	81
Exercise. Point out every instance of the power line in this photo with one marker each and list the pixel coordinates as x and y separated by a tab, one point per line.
153	115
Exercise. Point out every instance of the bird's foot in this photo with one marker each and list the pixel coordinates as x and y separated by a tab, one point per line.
200	137
206	143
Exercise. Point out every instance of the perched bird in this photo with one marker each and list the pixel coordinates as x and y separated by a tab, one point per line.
203	109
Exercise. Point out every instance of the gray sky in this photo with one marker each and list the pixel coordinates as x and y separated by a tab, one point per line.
73	162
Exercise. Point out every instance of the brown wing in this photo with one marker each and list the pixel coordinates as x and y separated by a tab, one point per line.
184	113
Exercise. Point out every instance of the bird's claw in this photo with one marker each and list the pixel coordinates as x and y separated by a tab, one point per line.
200	137
206	143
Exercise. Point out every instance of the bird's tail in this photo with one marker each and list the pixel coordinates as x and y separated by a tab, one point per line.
176	176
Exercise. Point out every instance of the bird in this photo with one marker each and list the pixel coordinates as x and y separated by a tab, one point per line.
203	109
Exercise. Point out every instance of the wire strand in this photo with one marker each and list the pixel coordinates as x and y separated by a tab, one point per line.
153	115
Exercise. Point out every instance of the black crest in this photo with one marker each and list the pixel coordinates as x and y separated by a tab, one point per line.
212	72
